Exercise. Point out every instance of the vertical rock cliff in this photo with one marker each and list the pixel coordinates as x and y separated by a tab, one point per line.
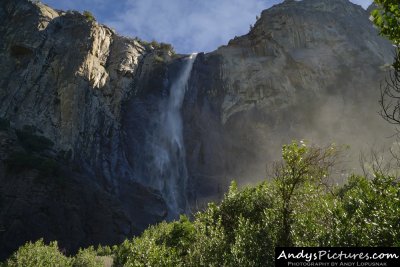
308	69
93	106
64	79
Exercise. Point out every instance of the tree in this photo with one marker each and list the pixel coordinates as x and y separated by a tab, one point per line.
301	166
387	18
390	97
39	254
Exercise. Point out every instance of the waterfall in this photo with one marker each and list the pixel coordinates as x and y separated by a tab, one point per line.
170	174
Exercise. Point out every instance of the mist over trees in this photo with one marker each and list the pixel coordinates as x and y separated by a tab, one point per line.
296	207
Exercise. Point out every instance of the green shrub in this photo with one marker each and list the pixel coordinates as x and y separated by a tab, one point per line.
167	47
87	258
162	245
39	254
104	250
32	142
89	16
159	46
368	213
155	44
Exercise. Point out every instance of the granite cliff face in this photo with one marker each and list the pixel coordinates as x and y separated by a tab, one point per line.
308	69
67	77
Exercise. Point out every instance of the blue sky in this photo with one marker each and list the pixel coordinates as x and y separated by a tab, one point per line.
189	25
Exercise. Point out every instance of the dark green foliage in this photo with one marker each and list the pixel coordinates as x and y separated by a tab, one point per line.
32	142
163	245
369	212
87	258
104	250
39	254
4	124
89	16
158	46
303	168
387	18
166	47
154	44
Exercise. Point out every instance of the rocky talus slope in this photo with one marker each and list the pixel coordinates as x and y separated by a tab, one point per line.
79	97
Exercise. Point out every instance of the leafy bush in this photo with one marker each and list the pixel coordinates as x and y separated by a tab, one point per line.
39	254
158	46
163	245
154	44
167	47
104	251
87	258
89	16
368	213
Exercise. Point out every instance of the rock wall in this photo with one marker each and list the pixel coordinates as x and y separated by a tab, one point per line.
68	77
308	70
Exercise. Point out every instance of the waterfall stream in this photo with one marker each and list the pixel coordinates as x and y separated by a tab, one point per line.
168	147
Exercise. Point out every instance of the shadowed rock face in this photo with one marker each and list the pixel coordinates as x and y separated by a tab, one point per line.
308	69
68	77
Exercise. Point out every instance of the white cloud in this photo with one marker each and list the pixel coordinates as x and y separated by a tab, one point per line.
192	24
200	25
196	24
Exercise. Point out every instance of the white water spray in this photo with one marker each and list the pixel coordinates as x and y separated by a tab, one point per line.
169	149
